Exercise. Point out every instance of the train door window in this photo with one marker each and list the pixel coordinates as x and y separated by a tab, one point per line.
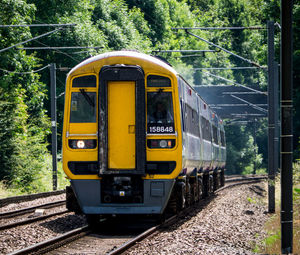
84	81
182	105
160	116
188	118
83	107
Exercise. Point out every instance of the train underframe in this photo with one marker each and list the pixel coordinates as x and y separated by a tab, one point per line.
132	195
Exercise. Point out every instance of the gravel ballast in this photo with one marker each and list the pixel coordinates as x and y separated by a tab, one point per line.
231	222
35	202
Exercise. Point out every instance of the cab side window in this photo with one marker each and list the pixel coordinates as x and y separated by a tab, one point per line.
160	116
83	107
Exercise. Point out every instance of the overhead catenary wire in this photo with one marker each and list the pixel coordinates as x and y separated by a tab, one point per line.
190	56
29	72
231	68
223	49
32	39
255	106
183	51
38	25
60	48
236	83
61	52
220	28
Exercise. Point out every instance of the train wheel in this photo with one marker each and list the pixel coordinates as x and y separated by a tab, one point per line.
222	178
93	220
172	204
188	200
71	201
215	181
181	196
205	190
194	190
211	184
200	188
160	218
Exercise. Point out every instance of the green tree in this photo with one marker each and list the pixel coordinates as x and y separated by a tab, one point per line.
23	120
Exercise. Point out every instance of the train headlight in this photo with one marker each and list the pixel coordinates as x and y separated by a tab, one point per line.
80	144
83	144
163	144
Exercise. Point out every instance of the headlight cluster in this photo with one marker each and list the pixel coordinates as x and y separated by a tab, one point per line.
161	143
83	144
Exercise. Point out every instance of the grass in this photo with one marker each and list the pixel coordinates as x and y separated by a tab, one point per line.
251	200
42	181
249	170
272	243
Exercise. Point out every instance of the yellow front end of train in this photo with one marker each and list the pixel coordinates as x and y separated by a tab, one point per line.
122	138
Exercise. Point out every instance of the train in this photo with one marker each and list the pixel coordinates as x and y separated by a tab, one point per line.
137	138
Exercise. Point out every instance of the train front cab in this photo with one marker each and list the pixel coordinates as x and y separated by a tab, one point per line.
117	163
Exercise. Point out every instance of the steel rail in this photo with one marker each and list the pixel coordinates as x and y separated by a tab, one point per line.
23	198
246	179
31	220
143	235
155	230
9	214
55	242
51	244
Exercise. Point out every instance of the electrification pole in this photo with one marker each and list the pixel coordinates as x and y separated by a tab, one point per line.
53	124
286	139
271	118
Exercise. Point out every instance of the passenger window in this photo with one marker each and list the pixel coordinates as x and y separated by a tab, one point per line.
160	117
83	107
215	134
206	130
84	81
222	138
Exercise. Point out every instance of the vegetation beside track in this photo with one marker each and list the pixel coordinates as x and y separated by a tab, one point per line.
124	24
42	182
272	244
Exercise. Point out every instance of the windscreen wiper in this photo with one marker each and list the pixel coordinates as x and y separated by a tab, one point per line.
87	98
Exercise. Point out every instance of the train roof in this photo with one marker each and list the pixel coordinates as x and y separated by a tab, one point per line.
130	54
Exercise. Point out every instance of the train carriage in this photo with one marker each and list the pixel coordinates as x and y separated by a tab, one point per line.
136	137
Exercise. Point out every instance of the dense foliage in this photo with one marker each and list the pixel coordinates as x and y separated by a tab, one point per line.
145	26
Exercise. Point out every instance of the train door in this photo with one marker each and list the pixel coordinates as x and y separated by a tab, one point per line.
122	128
121	125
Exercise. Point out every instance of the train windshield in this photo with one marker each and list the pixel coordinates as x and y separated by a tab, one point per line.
160	116
83	107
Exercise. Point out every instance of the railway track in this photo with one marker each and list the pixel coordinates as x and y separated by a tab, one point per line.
236	178
27	215
31	220
18	199
24	216
23	211
125	242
